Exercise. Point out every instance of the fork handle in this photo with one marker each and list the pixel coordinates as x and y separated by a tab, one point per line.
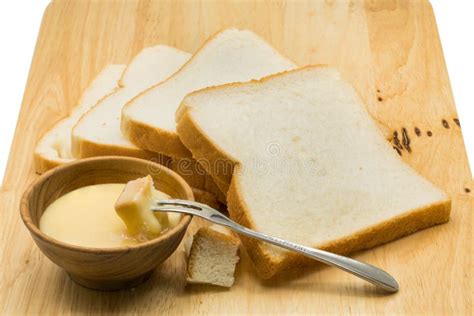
363	270
360	269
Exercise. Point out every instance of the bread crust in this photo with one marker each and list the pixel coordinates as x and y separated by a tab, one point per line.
206	198
44	163
207	231
223	187
193	137
266	266
212	187
156	140
395	228
195	174
84	148
153	139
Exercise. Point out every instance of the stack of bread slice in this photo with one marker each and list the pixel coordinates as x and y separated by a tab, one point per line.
93	126
97	133
229	56
292	152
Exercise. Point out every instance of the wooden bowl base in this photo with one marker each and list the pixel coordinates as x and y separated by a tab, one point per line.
110	285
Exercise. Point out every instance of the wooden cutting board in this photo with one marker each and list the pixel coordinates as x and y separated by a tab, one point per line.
389	50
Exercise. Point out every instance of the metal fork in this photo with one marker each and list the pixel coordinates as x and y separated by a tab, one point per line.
362	270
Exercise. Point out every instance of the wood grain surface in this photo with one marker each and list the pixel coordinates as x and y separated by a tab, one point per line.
388	49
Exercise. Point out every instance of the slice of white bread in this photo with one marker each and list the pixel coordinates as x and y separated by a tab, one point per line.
310	166
213	256
230	56
54	147
98	132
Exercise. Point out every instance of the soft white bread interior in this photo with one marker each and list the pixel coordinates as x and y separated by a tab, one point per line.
213	256
310	166
54	147
98	132
230	56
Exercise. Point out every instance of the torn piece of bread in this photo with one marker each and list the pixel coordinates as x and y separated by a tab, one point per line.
133	207
232	55
213	256
310	166
98	132
54	147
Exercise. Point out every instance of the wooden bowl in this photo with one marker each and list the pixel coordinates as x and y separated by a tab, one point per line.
104	268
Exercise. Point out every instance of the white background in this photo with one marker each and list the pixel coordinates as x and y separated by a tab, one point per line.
20	21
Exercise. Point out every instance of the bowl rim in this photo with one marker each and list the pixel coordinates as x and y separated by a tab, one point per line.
35	230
